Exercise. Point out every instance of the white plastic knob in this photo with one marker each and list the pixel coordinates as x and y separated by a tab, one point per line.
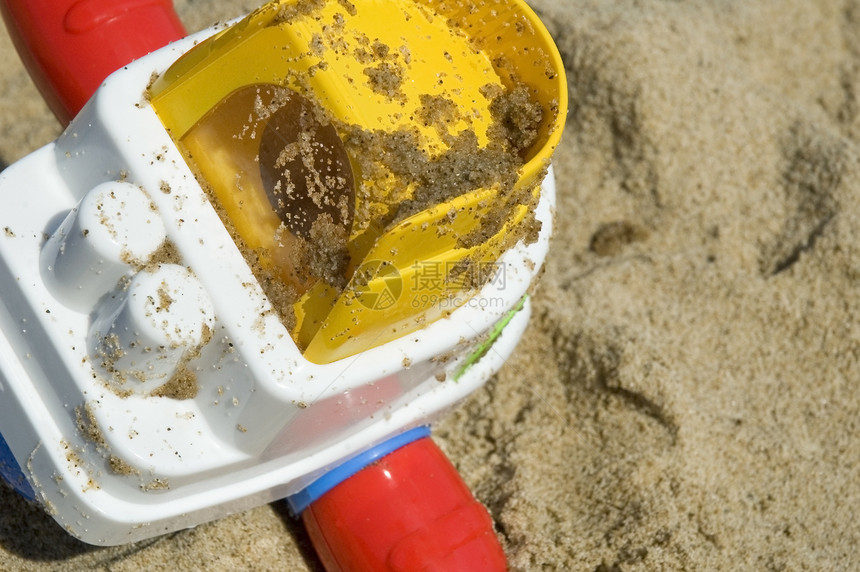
113	228
140	343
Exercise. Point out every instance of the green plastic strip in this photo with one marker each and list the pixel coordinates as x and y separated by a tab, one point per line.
485	346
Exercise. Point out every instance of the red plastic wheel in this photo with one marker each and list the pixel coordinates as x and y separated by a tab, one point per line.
70	46
408	511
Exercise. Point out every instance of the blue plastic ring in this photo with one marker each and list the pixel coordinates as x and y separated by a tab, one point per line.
302	499
11	472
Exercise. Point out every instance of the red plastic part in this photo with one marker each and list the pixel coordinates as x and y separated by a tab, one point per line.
409	511
70	46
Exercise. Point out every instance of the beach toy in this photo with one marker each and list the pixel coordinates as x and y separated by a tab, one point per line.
260	261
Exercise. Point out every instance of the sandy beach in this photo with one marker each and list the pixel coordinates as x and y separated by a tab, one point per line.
687	392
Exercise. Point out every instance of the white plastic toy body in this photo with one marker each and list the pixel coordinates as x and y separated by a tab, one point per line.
84	295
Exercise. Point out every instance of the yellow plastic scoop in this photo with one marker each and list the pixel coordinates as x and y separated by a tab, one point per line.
371	158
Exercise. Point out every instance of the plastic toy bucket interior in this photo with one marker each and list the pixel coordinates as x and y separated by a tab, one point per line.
374	74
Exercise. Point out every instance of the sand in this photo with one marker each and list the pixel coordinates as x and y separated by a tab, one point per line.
687	393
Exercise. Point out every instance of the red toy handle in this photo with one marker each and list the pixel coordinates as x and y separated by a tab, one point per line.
70	46
408	511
